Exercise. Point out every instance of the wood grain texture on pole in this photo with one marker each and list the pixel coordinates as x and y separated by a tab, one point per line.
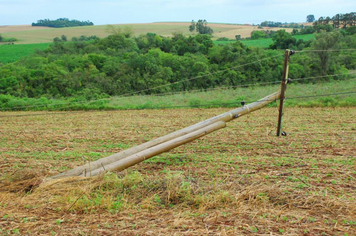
283	89
164	147
225	117
118	156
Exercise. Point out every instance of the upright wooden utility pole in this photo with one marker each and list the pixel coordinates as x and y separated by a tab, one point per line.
284	82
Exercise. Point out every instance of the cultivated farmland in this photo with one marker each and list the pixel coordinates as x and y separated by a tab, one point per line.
27	34
241	180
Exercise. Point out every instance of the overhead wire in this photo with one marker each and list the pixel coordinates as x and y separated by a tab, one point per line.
206	105
161	86
201	76
327	50
164	94
235	67
117	110
70	104
325	76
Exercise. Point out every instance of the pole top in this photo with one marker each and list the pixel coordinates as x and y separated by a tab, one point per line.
290	52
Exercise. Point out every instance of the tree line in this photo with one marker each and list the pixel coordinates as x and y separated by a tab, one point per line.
280	24
346	23
338	21
121	64
62	22
201	27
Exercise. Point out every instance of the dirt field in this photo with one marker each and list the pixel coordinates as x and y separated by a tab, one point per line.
27	34
241	180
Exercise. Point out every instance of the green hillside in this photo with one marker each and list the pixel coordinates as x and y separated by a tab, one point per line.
12	53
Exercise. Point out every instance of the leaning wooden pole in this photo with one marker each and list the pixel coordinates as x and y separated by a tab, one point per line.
284	82
134	155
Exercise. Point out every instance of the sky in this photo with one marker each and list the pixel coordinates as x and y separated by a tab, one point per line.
24	12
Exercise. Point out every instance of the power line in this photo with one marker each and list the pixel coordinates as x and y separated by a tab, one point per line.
327	50
217	88
324	76
206	105
161	86
232	103
197	77
222	87
322	95
348	115
180	92
200	76
251	84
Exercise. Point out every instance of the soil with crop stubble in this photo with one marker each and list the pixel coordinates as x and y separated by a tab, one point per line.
240	180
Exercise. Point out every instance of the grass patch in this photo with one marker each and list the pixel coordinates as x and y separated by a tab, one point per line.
14	52
260	43
298	95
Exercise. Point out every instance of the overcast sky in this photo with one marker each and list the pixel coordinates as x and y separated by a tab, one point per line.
17	12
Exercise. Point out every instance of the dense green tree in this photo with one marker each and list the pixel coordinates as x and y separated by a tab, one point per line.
57	40
295	32
307	30
119	41
271	24
258	34
310	18
323	27
64	38
202	27
192	26
61	22
338	21
351	30
9	85
282	40
122	64
323	46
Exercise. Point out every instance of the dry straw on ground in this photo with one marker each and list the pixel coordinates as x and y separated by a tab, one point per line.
241	180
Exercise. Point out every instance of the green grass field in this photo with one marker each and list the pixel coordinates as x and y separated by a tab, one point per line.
261	43
12	53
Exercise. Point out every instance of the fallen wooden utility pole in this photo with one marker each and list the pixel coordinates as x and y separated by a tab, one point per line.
137	154
134	155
